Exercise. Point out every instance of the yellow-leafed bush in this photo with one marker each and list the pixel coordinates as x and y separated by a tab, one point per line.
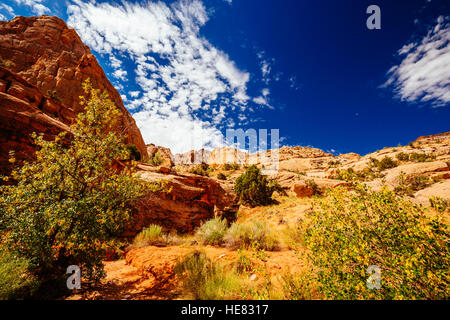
349	231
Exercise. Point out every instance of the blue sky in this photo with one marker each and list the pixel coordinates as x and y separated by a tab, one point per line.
188	70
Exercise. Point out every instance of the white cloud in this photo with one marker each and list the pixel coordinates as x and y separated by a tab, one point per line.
134	94
36	6
424	73
9	9
266	66
120	74
2	17
183	79
263	99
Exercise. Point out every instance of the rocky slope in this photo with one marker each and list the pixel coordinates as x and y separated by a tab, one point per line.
303	169
51	62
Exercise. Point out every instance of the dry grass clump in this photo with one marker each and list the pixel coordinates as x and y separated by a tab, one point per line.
206	279
212	231
252	233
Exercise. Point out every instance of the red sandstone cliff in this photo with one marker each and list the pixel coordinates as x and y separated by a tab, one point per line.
47	61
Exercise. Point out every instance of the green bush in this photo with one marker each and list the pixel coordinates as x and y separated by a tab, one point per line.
230	166
221	176
402	156
212	231
134	152
156	160
206	279
349	231
253	189
385	163
415	157
201	170
15	280
149	236
420	157
254	233
411	184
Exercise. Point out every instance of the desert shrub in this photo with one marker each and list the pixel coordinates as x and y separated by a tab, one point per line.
212	231
346	175
230	166
313	185
253	188
244	265
254	233
134	153
15	280
402	156
201	170
333	163
297	287
156	160
411	184
206	279
149	236
68	205
221	176
350	175
383	164
6	63
439	204
349	231
420	157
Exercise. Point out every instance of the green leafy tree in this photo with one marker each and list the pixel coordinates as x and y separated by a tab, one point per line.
67	206
254	189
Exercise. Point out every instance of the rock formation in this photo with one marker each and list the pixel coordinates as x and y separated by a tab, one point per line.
192	200
164	155
192	157
24	110
51	62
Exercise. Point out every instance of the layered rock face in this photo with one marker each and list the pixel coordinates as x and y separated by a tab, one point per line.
192	157
219	156
24	110
192	200
51	59
164	154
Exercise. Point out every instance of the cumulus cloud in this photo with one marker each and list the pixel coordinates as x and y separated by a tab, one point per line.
186	85
424	72
36	6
